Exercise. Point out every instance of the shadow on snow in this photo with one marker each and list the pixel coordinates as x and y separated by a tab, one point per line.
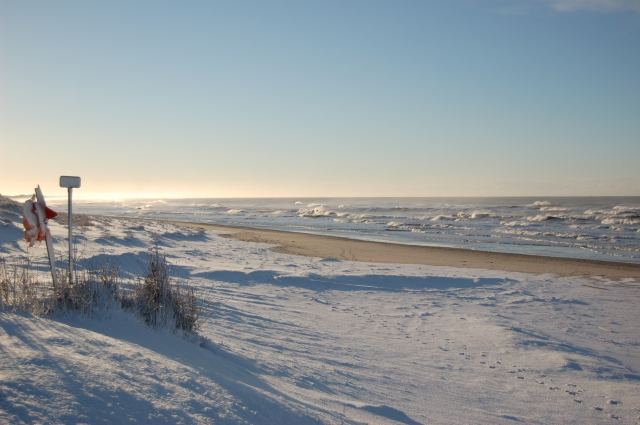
259	402
315	282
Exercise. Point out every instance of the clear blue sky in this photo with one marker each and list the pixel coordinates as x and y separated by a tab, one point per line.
336	98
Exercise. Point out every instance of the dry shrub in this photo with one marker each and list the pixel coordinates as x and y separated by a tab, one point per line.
87	292
155	298
186	310
20	289
161	303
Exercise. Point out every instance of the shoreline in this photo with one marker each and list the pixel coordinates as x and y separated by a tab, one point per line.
342	248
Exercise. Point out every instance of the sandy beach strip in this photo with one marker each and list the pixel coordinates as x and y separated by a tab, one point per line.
381	252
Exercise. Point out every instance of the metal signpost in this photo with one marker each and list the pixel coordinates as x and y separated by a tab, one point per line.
70	182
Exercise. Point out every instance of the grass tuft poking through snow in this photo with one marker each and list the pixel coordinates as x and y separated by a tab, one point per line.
20	289
160	302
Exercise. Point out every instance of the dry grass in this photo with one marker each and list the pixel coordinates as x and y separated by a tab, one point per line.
20	288
160	302
155	297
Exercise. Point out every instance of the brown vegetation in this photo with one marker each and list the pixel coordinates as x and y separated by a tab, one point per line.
155	298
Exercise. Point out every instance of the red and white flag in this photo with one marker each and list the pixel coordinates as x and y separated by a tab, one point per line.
34	220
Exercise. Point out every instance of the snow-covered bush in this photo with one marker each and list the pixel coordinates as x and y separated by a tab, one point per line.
186	310
88	291
155	297
160	302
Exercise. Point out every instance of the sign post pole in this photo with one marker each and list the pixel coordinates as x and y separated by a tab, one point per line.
70	224
70	182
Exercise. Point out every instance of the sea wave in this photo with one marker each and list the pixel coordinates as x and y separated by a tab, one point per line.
544	217
632	221
316	210
475	215
443	217
618	215
539	204
554	209
609	226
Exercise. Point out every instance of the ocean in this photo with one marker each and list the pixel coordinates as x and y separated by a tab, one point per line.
599	228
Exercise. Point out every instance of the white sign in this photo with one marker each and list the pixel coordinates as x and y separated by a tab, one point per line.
70	181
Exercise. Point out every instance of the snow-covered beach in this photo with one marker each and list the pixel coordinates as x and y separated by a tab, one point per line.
320	212
304	339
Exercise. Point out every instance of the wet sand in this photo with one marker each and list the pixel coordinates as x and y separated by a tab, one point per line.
340	248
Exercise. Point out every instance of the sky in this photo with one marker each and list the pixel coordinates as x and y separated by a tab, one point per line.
321	98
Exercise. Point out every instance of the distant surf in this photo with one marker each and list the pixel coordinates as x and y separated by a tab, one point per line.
599	228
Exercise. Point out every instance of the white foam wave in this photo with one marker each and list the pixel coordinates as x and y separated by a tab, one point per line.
539	204
620	220
515	223
315	210
626	209
552	209
618	215
480	214
442	217
519	232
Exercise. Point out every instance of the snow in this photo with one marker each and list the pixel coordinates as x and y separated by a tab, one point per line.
292	340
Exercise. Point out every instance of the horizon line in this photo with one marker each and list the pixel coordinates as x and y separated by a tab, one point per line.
80	197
